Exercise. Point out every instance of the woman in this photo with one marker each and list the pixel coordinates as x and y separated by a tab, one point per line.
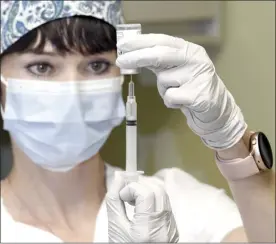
61	97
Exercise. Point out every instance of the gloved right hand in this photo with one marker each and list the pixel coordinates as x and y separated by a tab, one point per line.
187	79
153	220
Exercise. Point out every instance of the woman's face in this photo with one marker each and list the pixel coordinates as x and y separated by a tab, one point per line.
51	66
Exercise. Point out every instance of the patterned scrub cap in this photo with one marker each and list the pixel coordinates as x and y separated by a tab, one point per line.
20	17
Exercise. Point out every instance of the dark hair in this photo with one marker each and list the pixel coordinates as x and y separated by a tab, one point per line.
83	34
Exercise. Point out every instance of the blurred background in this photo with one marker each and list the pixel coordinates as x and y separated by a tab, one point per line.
240	39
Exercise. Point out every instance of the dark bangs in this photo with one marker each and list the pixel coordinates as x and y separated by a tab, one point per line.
82	34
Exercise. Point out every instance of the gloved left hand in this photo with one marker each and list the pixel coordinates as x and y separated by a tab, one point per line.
187	79
153	220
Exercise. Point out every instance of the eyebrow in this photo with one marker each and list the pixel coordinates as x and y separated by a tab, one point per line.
35	52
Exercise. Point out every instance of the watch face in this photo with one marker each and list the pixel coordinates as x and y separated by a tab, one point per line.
265	150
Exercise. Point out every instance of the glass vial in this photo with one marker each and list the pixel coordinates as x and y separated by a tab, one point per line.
126	30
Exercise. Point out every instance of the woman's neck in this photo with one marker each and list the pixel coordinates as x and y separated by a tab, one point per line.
42	198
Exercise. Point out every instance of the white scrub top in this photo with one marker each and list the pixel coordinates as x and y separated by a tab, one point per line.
203	213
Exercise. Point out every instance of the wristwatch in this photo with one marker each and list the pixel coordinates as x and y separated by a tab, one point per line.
260	159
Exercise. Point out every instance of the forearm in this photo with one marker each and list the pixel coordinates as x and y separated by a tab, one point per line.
254	196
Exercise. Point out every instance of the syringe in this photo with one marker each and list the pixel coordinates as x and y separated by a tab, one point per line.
131	129
131	173
131	135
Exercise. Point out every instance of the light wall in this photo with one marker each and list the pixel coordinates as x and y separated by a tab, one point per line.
246	63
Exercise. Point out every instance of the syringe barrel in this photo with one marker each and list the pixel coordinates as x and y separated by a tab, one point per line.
131	109
127	30
131	148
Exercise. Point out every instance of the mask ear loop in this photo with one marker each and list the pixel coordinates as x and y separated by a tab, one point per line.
3	80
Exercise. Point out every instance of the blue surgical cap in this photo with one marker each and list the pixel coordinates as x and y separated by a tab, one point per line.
20	17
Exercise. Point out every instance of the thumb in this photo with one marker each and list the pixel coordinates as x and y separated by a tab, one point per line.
115	206
179	97
143	197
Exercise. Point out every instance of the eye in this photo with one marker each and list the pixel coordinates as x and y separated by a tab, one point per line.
40	69
99	67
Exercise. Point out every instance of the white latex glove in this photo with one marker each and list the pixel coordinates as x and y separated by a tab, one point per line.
153	220
187	79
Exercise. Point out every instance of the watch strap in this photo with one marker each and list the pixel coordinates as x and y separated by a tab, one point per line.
237	169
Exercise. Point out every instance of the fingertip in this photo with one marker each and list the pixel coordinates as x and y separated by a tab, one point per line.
126	61
126	193
177	97
118	62
170	98
125	43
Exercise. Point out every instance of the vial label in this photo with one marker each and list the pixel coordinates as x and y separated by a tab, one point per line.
126	33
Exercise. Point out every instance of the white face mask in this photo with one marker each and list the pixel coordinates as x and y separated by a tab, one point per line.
58	125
